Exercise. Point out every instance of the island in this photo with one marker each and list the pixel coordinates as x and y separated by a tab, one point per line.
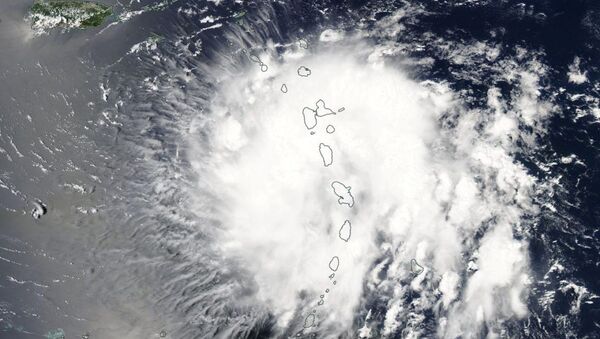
310	115
345	231
326	154
48	14
343	193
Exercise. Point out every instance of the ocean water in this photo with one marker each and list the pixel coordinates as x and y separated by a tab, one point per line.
275	169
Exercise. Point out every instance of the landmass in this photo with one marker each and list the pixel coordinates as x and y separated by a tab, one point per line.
151	43
310	115
323	110
343	193
39	209
304	71
326	154
56	334
309	321
345	231
415	268
303	43
239	15
254	58
48	14
334	263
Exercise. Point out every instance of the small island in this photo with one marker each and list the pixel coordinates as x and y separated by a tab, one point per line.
48	14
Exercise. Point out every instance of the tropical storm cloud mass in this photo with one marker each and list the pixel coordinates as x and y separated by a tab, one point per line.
362	169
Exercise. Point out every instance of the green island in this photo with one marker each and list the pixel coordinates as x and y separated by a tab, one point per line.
47	14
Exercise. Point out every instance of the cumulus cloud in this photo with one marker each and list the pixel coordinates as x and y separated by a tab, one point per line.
575	74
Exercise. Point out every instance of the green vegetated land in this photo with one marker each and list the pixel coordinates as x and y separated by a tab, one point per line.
71	13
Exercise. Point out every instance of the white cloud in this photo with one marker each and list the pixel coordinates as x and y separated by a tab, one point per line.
575	74
330	35
425	188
